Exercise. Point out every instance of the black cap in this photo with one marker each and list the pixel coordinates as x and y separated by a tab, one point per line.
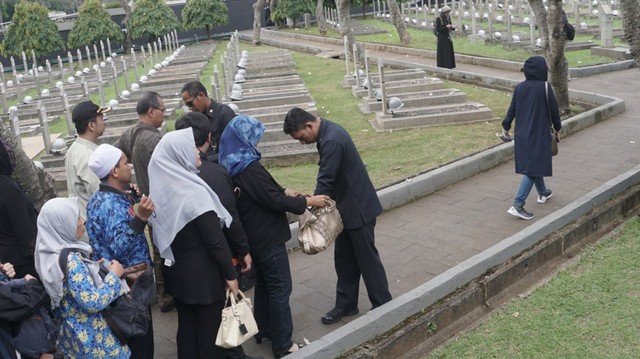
86	111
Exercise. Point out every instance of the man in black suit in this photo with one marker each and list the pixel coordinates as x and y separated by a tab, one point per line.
342	176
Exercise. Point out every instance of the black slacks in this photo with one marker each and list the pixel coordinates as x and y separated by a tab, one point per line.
356	255
197	329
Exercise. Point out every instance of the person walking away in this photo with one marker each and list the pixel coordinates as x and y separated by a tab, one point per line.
115	230
343	176
532	139
445	55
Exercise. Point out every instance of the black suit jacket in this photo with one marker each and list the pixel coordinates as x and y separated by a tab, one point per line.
343	177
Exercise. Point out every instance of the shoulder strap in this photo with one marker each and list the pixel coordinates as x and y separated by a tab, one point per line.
546	97
63	258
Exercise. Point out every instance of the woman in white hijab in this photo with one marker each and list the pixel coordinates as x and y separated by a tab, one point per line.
187	231
78	296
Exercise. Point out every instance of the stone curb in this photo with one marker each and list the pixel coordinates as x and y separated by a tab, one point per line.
386	317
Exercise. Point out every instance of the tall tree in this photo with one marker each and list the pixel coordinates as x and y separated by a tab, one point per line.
198	14
31	29
37	183
257	20
631	26
344	16
152	18
292	9
553	37
398	22
92	25
321	21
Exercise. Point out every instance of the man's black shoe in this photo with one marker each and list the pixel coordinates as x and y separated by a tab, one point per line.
336	314
167	307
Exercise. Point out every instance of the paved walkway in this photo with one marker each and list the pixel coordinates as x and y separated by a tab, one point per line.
421	240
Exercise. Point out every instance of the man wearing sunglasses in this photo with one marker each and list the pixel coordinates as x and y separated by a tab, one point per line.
195	97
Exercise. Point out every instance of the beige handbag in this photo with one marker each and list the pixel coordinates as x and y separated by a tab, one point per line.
318	228
238	323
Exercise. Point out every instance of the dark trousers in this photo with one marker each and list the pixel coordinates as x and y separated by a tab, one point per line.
197	329
356	255
272	291
142	347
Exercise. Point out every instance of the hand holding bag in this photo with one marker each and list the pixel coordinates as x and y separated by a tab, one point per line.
238	323
319	227
554	135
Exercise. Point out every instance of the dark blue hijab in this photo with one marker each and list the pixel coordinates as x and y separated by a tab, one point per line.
238	144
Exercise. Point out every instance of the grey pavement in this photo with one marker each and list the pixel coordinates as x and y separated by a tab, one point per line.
421	240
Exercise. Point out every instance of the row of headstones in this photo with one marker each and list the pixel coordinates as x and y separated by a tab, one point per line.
490	11
170	44
66	106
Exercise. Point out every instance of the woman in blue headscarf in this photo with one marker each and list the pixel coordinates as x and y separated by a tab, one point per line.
262	204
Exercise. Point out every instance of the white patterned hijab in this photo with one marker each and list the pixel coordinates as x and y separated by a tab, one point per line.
57	223
179	195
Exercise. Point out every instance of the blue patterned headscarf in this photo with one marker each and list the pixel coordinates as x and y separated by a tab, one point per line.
238	144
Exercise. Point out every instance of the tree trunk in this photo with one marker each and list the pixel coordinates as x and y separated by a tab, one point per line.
320	19
345	25
553	42
631	25
257	20
558	65
38	184
128	39
398	22
207	28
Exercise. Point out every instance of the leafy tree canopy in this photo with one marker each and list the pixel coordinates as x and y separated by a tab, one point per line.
7	8
198	14
31	29
152	18
92	25
293	8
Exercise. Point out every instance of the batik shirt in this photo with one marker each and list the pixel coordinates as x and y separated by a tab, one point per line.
84	333
114	230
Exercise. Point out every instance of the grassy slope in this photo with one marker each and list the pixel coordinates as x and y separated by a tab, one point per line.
589	310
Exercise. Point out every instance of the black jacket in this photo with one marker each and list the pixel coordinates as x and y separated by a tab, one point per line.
202	261
262	205
343	177
220	182
17	305
18	227
219	117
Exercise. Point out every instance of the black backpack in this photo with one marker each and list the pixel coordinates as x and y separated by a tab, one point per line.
35	336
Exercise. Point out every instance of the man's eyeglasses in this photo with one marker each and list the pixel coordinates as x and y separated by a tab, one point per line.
164	109
189	103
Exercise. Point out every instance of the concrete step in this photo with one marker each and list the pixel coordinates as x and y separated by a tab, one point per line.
433	116
418	100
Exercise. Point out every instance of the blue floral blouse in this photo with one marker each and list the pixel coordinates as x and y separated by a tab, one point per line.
84	333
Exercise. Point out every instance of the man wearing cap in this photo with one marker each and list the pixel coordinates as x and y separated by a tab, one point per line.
115	230
88	119
195	97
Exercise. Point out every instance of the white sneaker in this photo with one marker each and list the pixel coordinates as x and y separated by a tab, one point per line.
543	199
520	212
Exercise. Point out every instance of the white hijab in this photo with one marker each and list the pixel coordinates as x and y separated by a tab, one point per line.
57	224
178	193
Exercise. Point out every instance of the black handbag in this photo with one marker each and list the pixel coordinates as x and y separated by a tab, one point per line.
128	315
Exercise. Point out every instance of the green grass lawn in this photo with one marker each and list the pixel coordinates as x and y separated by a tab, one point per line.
589	310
